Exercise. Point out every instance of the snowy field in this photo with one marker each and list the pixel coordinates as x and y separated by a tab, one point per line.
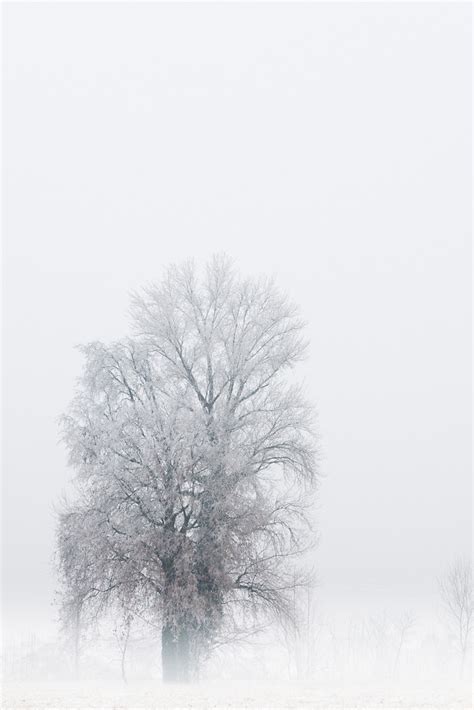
230	695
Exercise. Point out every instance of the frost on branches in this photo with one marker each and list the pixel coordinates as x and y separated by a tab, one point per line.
195	462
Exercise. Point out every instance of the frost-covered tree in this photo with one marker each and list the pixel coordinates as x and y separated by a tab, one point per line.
195	462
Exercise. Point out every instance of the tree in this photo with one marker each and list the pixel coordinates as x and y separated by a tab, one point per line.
122	630
456	592
298	634
403	627
195	462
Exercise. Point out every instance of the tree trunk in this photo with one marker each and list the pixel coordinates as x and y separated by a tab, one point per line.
175	654
175	631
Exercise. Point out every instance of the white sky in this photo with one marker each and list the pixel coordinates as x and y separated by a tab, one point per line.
327	144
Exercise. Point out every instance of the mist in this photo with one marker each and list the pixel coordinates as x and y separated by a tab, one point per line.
325	145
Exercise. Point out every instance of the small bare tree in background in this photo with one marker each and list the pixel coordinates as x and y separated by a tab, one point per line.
456	592
299	630
122	631
403	627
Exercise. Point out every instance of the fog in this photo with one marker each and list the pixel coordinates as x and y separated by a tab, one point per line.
328	145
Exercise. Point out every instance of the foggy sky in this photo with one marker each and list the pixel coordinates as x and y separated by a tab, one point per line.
326	144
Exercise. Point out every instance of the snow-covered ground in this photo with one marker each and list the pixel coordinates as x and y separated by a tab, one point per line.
347	663
229	695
